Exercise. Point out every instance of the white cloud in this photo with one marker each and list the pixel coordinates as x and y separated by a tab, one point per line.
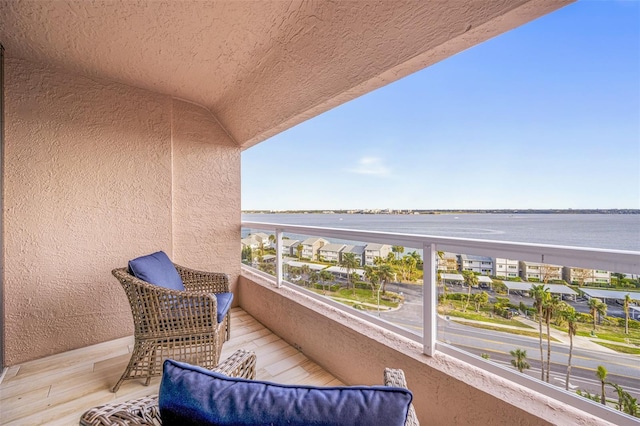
371	166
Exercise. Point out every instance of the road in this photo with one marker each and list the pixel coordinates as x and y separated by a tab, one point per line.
622	369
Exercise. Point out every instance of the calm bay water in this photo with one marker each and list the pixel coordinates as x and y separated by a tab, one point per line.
607	231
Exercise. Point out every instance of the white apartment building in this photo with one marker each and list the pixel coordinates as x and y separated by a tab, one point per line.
480	264
358	253
372	251
507	268
290	247
540	271
583	276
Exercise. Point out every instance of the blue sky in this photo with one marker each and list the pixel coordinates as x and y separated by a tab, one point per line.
544	116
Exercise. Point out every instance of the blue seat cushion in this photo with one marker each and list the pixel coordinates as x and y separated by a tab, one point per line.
224	303
191	396
156	268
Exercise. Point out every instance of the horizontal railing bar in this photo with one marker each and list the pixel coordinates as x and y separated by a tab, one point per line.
583	257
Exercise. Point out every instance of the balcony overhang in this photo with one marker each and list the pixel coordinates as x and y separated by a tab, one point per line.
258	67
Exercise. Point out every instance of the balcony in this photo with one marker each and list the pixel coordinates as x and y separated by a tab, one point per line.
348	342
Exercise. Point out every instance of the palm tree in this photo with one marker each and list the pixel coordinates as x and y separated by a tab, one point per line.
480	299
398	250
627	302
597	308
272	239
471	280
519	360
385	274
349	262
299	249
409	262
371	274
305	270
568	313
540	295
325	276
601	372
550	308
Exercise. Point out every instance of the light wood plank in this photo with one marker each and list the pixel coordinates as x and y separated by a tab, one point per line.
56	390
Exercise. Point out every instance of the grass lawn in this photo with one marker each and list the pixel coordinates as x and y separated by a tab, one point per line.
484	317
607	332
360	297
621	349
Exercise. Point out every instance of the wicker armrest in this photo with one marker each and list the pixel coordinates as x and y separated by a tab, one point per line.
144	411
202	281
395	377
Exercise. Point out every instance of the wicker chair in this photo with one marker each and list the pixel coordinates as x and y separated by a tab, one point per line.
181	325
144	411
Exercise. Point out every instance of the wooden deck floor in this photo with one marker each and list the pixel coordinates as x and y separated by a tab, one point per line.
56	390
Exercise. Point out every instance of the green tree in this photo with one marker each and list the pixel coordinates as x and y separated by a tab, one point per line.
519	360
550	308
627	302
601	373
597	308
349	263
398	250
272	239
305	270
385	274
371	274
299	249
324	277
480	299
471	280
409	266
569	314
540	294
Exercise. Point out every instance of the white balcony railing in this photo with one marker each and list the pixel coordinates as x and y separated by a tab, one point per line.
607	260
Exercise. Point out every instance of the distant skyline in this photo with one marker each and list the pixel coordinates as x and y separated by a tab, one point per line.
546	116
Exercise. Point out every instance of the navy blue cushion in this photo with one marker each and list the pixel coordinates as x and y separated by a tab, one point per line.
191	396
156	268
224	303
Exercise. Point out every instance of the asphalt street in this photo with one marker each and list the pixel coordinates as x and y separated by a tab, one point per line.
623	369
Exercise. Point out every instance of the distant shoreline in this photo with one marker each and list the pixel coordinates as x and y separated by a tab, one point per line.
428	211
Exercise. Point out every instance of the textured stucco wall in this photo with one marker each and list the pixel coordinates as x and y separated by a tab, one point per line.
446	391
88	184
206	201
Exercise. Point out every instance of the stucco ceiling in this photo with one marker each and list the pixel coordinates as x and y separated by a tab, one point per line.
259	66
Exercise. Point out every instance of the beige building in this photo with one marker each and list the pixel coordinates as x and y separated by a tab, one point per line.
124	124
371	251
540	271
582	276
310	247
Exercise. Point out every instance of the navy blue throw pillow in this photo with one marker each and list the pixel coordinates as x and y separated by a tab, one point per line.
156	268
191	396
224	303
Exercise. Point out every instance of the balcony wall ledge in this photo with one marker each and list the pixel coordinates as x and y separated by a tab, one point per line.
446	390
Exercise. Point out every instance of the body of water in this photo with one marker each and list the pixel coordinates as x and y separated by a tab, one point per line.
606	231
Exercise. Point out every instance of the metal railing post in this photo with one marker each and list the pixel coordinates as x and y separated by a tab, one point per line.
429	299
279	260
